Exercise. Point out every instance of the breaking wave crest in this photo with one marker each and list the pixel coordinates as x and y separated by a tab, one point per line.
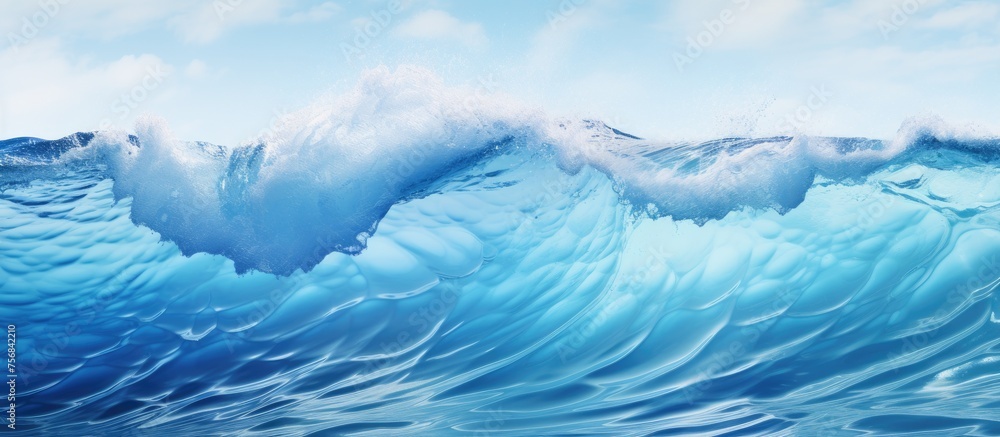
321	180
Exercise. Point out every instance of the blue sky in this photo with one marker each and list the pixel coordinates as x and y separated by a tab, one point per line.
223	70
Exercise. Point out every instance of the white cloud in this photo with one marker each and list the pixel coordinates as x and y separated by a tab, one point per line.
963	16
850	19
56	94
735	24
196	69
209	20
193	20
320	12
563	30
440	25
876	88
100	18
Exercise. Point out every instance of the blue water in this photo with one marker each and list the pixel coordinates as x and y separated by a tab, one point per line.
402	261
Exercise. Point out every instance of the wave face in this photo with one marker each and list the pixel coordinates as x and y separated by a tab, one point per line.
411	259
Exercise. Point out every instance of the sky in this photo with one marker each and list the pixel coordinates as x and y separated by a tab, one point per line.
224	70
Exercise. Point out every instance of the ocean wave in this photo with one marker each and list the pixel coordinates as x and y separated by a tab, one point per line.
323	177
405	261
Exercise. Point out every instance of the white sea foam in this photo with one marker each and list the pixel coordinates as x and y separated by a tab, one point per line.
323	178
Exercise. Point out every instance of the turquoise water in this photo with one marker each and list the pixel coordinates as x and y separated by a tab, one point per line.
412	269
